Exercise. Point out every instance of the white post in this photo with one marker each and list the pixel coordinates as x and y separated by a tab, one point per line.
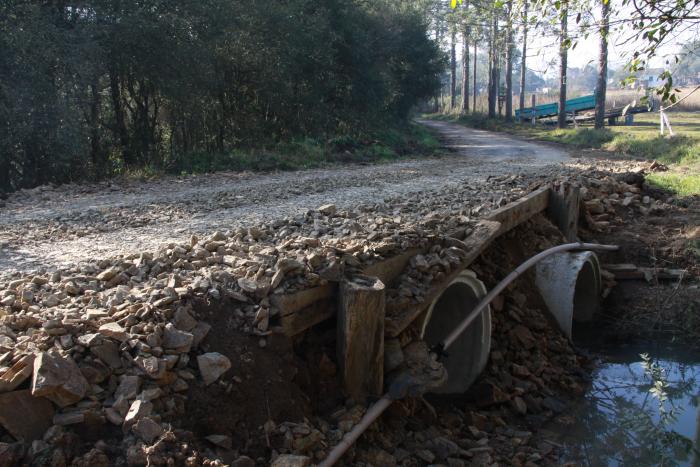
668	124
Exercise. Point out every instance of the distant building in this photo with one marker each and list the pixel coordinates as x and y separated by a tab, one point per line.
650	81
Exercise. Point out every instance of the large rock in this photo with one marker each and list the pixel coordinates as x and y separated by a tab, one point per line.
212	365
108	352
147	429
177	340
59	379
108	274
291	460
25	417
114	330
139	409
128	388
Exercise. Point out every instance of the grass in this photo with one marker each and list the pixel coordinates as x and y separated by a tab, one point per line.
386	145
681	153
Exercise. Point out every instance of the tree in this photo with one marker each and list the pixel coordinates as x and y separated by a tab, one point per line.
465	68
453	68
523	67
564	44
509	61
99	87
602	82
493	65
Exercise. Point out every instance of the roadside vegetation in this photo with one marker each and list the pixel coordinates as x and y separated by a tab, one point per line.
114	88
304	153
681	153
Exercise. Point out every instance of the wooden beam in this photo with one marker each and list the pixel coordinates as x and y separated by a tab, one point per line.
360	338
301	320
391	268
513	214
563	209
291	303
482	236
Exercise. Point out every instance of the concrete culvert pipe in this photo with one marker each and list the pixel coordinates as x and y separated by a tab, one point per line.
570	284
468	355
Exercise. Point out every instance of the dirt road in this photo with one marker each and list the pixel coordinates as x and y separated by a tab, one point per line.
56	227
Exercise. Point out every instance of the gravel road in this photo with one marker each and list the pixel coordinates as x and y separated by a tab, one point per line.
50	227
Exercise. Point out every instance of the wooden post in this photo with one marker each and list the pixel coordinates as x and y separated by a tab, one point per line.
360	338
563	209
533	109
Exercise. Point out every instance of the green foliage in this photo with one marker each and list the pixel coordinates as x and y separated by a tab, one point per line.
117	87
385	145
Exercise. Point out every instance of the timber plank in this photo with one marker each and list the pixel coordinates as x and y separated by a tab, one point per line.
391	268
482	236
301	320
513	214
563	209
291	303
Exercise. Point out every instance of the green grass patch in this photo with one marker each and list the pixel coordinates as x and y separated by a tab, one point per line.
679	183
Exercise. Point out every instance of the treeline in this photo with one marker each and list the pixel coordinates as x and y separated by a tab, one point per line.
90	88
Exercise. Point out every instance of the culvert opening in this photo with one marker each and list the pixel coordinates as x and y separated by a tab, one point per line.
468	354
586	300
570	285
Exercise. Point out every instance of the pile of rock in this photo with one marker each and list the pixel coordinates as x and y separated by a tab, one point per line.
604	196
118	341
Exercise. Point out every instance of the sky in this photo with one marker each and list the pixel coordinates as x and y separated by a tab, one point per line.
543	55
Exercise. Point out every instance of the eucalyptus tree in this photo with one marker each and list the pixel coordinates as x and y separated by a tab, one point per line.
602	81
509	61
564	44
523	60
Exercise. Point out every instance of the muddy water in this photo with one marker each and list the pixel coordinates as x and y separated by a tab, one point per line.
642	409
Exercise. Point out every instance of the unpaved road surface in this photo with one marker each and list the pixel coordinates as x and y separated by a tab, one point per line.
49	227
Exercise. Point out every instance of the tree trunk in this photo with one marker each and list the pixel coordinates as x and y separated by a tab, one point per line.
523	68
601	85
120	119
563	56
493	69
453	69
474	78
465	69
94	124
509	64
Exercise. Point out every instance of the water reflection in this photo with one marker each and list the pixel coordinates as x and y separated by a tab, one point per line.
641	410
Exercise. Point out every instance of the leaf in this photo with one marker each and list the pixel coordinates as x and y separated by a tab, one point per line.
454	4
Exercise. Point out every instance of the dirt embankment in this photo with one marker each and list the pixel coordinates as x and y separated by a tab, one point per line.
176	357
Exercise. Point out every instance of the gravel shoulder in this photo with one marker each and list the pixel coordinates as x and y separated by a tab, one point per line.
50	227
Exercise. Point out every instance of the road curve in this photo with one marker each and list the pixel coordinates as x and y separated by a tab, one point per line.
49	227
